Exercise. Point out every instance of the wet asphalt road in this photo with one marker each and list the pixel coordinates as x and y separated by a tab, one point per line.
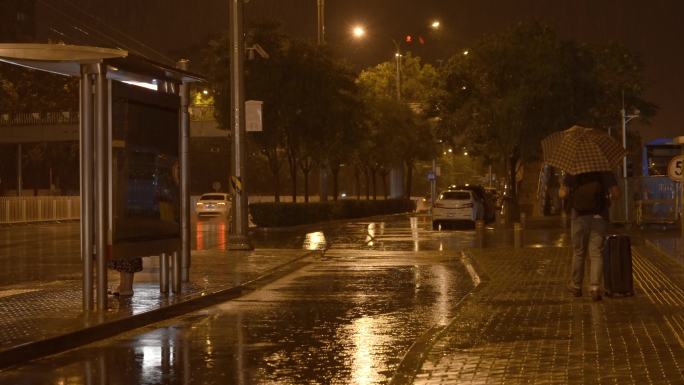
347	317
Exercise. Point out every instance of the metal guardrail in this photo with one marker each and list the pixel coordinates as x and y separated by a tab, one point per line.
39	209
201	113
37	118
651	200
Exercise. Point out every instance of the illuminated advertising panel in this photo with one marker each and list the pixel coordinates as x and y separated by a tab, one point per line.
145	183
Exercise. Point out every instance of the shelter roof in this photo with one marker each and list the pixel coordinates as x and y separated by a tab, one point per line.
67	60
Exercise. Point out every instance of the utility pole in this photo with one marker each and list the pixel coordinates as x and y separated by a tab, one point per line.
625	119
397	171
323	169
321	22
239	237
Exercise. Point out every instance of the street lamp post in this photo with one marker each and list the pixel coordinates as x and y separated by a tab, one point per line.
239	238
626	119
323	169
321	22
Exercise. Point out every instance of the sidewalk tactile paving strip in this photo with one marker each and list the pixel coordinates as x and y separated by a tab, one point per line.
523	327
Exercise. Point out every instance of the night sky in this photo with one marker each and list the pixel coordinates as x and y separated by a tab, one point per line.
179	27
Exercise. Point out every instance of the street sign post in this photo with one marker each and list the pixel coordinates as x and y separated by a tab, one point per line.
431	176
674	171
674	168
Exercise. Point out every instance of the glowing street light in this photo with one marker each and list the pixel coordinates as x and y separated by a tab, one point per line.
358	32
436	24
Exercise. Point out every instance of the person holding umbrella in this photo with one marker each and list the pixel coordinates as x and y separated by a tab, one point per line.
587	156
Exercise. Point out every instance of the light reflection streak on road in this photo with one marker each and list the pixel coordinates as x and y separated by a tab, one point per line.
371	234
443	301
365	341
414	233
315	241
209	235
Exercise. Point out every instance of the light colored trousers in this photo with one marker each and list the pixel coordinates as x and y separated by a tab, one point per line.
588	236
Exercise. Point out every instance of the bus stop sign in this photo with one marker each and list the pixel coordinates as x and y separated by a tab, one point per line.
675	168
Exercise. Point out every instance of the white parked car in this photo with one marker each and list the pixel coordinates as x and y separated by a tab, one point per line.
213	204
456	206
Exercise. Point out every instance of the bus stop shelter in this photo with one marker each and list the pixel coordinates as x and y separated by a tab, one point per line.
134	171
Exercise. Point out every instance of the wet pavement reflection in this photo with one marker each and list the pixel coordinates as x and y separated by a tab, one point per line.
348	317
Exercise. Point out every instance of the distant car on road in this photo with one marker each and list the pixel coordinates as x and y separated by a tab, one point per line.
213	204
456	206
487	200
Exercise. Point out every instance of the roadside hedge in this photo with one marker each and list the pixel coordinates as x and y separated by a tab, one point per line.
271	214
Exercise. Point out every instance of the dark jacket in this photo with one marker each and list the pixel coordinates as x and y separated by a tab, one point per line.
608	181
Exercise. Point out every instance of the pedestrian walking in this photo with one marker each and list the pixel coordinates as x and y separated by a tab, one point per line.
589	195
588	157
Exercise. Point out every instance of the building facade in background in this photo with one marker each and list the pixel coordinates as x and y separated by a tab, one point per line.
17	21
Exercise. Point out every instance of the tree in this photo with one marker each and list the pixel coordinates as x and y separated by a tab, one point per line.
399	129
515	88
262	76
25	90
310	102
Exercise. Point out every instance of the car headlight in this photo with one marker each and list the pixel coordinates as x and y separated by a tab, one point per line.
222	203
200	204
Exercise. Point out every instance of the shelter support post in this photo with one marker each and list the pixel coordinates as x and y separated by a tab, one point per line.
86	166
101	176
164	273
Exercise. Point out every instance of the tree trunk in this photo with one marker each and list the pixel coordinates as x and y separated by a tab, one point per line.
383	174
335	171
306	185
292	163
409	178
305	164
513	205
276	187
366	174
323	182
274	165
374	179
357	182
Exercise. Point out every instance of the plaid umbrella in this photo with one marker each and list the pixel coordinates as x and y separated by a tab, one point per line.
579	149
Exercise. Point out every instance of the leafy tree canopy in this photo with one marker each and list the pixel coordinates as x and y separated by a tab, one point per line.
515	88
24	90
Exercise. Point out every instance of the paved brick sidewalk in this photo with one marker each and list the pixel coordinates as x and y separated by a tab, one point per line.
31	313
521	326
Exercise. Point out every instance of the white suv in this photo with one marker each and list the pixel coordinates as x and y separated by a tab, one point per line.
213	204
454	206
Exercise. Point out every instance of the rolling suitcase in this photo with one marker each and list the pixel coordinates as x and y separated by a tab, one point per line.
617	266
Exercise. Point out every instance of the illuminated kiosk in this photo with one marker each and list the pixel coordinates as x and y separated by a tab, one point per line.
134	131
